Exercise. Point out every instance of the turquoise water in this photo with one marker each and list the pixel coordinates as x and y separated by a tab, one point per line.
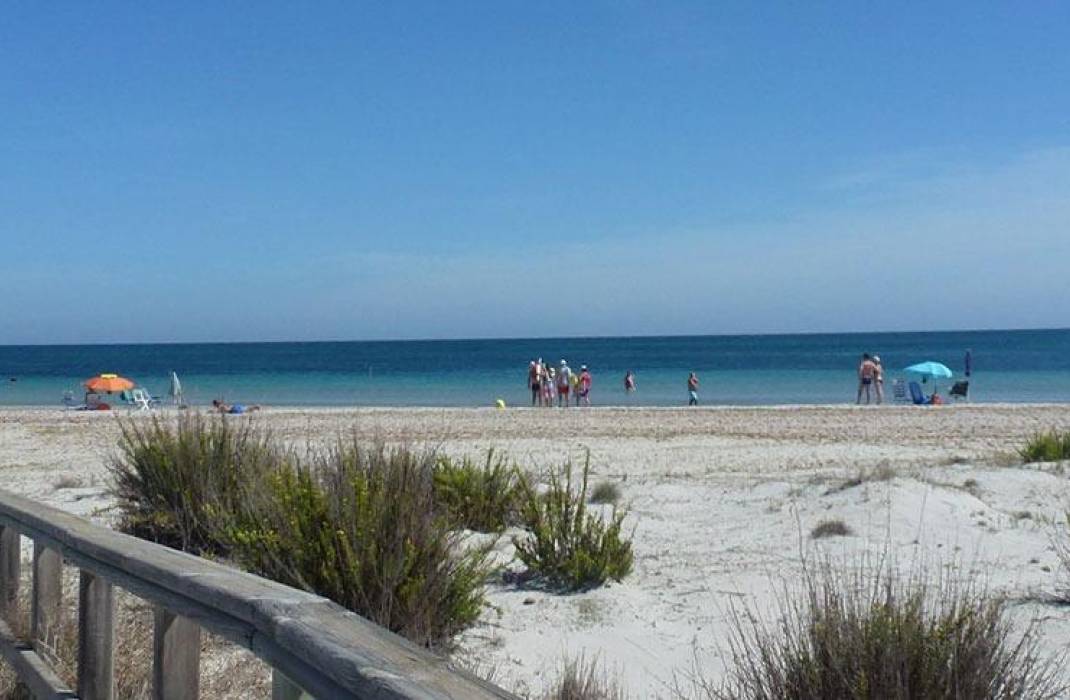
1009	366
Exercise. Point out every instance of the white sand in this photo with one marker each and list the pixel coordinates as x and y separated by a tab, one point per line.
722	502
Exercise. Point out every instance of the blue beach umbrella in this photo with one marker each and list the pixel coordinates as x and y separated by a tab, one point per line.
930	370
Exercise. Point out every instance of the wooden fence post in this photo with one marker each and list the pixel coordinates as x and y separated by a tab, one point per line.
176	657
10	569
47	592
282	688
96	638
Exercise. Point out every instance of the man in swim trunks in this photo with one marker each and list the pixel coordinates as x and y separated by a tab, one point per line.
867	371
534	370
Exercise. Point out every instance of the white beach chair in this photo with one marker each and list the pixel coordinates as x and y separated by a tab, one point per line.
899	391
141	399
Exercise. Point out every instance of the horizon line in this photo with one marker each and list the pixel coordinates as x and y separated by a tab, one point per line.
531	338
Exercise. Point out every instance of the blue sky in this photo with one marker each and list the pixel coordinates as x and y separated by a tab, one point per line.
262	171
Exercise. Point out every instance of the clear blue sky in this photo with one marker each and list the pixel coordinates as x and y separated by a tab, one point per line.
261	171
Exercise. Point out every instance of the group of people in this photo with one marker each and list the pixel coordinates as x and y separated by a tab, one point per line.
870	379
547	383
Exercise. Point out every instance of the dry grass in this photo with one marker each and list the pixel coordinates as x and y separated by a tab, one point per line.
830	528
605	492
882	472
873	633
227	671
581	678
69	481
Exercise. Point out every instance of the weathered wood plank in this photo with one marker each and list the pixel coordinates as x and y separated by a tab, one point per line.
10	569
31	669
96	638
47	591
328	651
176	657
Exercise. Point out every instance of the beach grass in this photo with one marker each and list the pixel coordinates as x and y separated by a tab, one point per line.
1047	446
481	497
583	678
872	632
177	481
830	528
566	545
356	522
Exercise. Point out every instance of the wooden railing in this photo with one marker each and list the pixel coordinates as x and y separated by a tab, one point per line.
315	647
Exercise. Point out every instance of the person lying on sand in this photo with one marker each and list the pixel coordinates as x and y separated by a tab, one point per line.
235	409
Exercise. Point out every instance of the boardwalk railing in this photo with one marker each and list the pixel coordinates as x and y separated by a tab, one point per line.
316	648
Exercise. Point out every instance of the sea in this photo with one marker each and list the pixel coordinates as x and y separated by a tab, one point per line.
1007	366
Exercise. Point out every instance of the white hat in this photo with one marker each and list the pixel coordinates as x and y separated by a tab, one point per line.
563	363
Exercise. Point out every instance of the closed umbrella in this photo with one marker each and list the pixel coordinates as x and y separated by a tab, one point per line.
176	389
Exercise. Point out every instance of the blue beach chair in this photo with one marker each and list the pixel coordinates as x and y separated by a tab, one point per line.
917	396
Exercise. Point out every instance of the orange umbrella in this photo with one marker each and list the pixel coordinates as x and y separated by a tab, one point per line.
108	383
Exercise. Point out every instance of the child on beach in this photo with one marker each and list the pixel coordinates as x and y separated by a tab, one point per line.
585	386
692	390
576	386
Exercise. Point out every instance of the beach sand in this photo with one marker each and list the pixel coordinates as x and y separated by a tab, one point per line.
722	501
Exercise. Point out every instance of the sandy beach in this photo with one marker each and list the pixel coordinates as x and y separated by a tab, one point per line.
722	502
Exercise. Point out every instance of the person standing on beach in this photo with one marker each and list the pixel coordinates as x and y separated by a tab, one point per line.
692	389
585	386
564	378
534	381
629	382
548	386
575	381
867	370
878	378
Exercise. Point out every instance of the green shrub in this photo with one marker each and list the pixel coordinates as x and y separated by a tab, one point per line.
358	525
879	636
481	498
605	492
1050	446
566	545
176	481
